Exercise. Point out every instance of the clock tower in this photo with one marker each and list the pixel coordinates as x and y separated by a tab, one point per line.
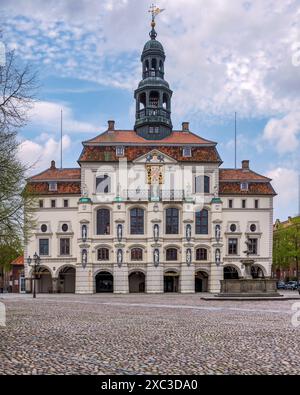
153	95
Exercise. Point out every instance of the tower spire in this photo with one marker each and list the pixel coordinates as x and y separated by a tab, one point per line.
154	10
153	95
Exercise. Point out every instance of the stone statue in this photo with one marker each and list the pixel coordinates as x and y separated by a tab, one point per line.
156	232
218	232
119	232
156	257
120	257
84	258
218	256
84	232
188	232
188	257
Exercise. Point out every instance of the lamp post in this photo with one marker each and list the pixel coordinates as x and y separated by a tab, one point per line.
36	261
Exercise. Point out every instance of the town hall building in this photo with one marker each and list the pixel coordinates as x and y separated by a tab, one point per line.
150	209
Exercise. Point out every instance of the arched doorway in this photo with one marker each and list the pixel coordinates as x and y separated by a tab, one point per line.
43	281
104	282
171	281
201	282
257	272
66	280
137	282
231	273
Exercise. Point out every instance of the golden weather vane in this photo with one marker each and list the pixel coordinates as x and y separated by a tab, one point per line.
154	10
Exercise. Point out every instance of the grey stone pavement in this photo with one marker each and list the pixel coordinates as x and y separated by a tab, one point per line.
148	334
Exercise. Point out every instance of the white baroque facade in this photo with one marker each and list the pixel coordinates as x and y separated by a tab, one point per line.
149	210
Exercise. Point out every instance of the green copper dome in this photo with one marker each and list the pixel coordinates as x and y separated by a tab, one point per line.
153	44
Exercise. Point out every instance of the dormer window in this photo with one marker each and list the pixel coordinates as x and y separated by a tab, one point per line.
120	151
244	186
52	186
187	152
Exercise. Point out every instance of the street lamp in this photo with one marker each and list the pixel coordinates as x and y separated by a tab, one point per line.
36	262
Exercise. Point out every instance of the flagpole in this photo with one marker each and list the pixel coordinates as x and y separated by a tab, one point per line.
61	139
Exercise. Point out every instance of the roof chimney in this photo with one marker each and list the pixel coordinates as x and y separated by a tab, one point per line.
185	126
245	165
53	167
111	126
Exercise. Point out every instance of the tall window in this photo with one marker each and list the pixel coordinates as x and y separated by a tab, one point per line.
202	222
103	222
232	246
244	203
44	246
172	221
253	246
103	184
256	203
103	254
171	254
230	203
201	254
202	184
136	254
64	246
137	221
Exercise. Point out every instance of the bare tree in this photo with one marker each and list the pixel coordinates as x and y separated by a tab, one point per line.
17	91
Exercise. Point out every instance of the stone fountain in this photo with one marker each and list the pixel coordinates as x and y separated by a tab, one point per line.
247	286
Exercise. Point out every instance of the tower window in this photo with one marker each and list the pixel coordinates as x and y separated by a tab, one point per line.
154	129
154	99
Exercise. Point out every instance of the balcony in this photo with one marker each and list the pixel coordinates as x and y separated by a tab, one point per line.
162	196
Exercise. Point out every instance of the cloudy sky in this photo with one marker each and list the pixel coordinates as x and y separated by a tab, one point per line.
222	56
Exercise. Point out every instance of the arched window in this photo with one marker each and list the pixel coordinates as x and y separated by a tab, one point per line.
201	254
147	65
172	221
171	254
103	184
103	254
142	101
161	66
136	254
137	221
103	221
154	64
165	101
202	222
154	99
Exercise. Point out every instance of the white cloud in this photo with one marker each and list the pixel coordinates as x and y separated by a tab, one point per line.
221	56
47	117
37	154
284	133
285	182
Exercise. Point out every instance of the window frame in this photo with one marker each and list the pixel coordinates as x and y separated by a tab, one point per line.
107	227
253	251
233	247
138	258
48	246
106	254
66	247
199	226
172	221
172	258
201	257
137	221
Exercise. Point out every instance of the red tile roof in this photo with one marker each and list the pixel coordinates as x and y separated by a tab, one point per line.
254	188
63	187
54	174
18	262
131	137
204	154
241	175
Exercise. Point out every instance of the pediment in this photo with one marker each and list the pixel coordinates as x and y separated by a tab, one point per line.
155	157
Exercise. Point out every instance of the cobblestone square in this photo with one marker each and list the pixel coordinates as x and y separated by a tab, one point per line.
144	334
